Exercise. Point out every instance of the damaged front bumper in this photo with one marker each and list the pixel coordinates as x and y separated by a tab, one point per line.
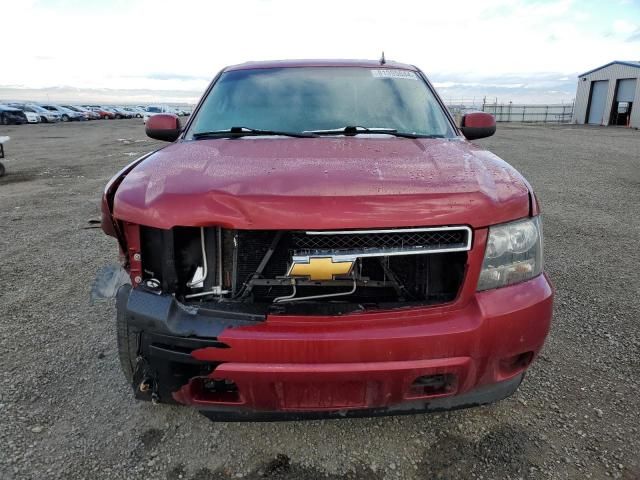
243	366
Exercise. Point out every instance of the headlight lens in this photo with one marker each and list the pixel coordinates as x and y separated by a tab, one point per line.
513	254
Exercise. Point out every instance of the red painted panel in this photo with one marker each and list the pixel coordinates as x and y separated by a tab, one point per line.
163	121
324	183
291	387
493	322
479	120
375	357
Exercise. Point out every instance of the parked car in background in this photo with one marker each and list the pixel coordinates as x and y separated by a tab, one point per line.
114	111
136	112
73	109
66	115
154	109
94	115
103	112
121	112
32	117
45	116
88	114
11	115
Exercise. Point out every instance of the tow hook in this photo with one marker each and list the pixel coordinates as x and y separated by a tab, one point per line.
148	384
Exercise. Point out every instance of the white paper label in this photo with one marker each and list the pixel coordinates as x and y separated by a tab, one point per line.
390	73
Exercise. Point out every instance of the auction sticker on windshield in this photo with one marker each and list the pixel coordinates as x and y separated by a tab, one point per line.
389	73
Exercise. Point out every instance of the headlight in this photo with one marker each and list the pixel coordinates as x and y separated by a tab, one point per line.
513	254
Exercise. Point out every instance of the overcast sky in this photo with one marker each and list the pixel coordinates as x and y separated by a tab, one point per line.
154	50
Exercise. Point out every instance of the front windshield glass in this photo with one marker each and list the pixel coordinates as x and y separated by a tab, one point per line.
322	98
154	110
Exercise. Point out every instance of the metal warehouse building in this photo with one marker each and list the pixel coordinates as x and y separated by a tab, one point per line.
609	95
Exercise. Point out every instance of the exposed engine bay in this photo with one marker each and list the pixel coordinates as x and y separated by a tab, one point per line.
267	270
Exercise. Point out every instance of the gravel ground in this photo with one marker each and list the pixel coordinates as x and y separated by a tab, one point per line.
66	412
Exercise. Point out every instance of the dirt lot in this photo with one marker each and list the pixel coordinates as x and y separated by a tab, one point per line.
66	412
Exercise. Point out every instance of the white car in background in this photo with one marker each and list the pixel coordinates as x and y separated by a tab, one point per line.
32	117
154	109
135	112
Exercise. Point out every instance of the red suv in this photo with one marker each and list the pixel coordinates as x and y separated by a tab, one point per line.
321	239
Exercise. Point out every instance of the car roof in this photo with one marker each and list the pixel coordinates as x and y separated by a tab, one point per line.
320	63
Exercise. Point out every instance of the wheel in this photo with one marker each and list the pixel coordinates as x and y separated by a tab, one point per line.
65	118
2	170
5	120
43	120
118	116
127	338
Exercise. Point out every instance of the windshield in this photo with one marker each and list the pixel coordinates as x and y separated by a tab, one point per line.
322	98
154	110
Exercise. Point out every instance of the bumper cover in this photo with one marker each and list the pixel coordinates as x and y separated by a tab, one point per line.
242	366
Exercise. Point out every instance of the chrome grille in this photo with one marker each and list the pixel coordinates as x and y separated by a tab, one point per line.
409	240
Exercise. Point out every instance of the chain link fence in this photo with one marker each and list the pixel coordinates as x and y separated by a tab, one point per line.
512	112
515	112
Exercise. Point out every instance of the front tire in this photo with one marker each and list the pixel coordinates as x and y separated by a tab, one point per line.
2	170
4	120
65	118
128	339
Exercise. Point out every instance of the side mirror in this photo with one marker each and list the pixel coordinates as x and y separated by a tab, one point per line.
478	125
163	126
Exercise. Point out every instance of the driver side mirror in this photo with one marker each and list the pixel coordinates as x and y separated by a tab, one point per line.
163	126
476	125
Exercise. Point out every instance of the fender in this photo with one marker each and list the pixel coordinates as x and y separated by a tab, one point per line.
110	225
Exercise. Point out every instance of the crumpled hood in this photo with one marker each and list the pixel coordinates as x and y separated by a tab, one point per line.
323	183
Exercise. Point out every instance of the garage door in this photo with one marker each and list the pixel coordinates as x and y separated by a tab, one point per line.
598	98
626	90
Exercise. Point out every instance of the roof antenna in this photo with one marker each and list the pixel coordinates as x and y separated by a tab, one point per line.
382	59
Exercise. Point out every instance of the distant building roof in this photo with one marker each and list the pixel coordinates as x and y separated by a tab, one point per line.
629	63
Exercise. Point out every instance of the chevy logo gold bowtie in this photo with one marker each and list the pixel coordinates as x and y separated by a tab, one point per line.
320	268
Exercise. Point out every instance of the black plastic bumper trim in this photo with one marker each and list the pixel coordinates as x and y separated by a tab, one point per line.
163	314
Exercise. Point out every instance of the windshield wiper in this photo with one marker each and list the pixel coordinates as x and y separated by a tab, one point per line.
351	130
246	131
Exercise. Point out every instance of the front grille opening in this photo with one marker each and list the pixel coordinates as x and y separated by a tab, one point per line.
249	267
430	278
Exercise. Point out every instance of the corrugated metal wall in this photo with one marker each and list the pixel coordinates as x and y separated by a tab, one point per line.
612	73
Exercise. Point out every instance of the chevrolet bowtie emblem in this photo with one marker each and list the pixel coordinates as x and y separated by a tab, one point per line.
320	268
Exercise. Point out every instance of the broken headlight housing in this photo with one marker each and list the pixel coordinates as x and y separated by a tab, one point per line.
513	254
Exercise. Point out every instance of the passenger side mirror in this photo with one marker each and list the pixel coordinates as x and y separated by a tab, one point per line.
163	126
478	125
